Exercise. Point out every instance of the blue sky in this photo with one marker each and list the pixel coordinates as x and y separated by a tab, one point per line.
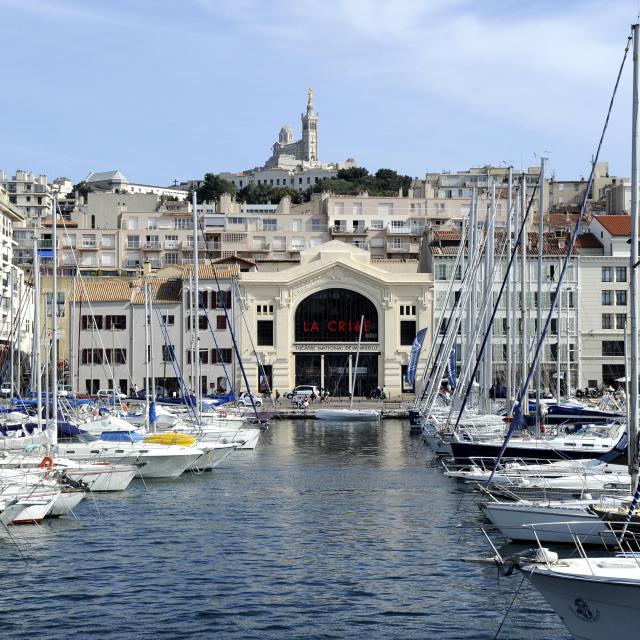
171	89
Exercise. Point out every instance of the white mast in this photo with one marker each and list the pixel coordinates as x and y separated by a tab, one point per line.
53	431
539	289
633	279
147	348
355	371
524	294
196	299
507	307
152	422
36	330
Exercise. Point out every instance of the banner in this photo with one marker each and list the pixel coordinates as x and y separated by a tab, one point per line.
414	356
451	369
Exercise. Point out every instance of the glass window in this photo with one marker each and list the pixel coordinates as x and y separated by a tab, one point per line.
621	274
407	332
265	333
333	315
221	322
621	320
607	298
613	348
607	321
621	297
118	323
607	274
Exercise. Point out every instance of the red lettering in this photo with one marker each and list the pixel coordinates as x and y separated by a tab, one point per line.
331	325
314	326
304	326
342	325
367	326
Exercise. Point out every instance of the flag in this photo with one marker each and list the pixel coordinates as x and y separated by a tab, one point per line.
451	368
414	356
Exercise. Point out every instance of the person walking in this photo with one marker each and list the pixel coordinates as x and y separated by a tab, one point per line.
277	397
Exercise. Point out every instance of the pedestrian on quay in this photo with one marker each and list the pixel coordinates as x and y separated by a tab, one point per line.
313	396
277	397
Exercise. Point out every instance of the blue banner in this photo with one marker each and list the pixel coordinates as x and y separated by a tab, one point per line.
414	356
451	369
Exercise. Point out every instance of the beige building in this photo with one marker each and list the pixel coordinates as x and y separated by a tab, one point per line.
306	320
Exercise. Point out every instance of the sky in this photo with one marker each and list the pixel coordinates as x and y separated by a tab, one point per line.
168	90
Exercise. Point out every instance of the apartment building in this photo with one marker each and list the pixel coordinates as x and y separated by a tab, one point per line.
561	350
28	193
108	320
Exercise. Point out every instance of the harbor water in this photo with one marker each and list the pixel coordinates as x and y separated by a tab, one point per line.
324	531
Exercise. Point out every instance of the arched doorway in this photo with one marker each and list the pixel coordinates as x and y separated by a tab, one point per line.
327	325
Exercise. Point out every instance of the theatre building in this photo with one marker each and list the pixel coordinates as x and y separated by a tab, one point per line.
304	320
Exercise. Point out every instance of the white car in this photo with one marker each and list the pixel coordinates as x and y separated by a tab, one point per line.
5	389
245	400
303	390
110	394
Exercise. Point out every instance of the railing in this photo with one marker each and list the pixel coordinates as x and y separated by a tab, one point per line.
152	246
133	245
263	247
414	231
89	244
403	248
347	231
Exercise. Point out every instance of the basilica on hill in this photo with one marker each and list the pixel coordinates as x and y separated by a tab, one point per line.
290	153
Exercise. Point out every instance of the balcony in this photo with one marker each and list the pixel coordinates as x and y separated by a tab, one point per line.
152	246
403	248
171	244
264	247
187	245
133	246
90	245
296	248
339	230
68	243
404	231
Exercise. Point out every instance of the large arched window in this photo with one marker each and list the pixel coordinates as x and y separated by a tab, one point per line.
333	315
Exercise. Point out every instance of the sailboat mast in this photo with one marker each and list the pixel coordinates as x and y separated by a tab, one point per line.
36	331
633	278
53	431
524	293
355	371
507	306
196	288
539	289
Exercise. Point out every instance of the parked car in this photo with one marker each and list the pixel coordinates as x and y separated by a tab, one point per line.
110	394
64	390
244	400
141	394
5	389
303	390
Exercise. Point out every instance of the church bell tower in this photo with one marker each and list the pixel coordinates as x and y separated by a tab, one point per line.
309	132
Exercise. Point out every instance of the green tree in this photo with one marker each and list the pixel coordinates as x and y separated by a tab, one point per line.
81	189
213	187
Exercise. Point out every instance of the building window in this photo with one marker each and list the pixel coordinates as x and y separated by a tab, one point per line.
221	300
118	323
90	323
607	321
168	353
607	298
621	297
169	319
441	272
621	320
407	332
265	333
621	274
221	323
270	224
220	356
607	274
613	348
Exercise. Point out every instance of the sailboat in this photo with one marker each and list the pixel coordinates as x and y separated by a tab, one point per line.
351	414
599	597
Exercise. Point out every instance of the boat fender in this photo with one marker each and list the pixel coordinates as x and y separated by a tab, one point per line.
223	414
125	407
95	413
46	462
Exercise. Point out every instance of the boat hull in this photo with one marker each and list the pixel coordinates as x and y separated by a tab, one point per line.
592	608
348	415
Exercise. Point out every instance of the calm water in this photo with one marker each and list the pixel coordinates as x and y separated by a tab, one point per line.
324	531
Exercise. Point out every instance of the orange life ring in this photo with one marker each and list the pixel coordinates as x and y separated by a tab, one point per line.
46	463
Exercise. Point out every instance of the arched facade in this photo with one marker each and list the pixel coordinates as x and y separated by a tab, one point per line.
306	318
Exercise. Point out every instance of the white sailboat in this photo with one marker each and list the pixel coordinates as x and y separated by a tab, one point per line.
598	597
351	414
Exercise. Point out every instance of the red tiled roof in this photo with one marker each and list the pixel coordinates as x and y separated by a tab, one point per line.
616	225
453	236
588	241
